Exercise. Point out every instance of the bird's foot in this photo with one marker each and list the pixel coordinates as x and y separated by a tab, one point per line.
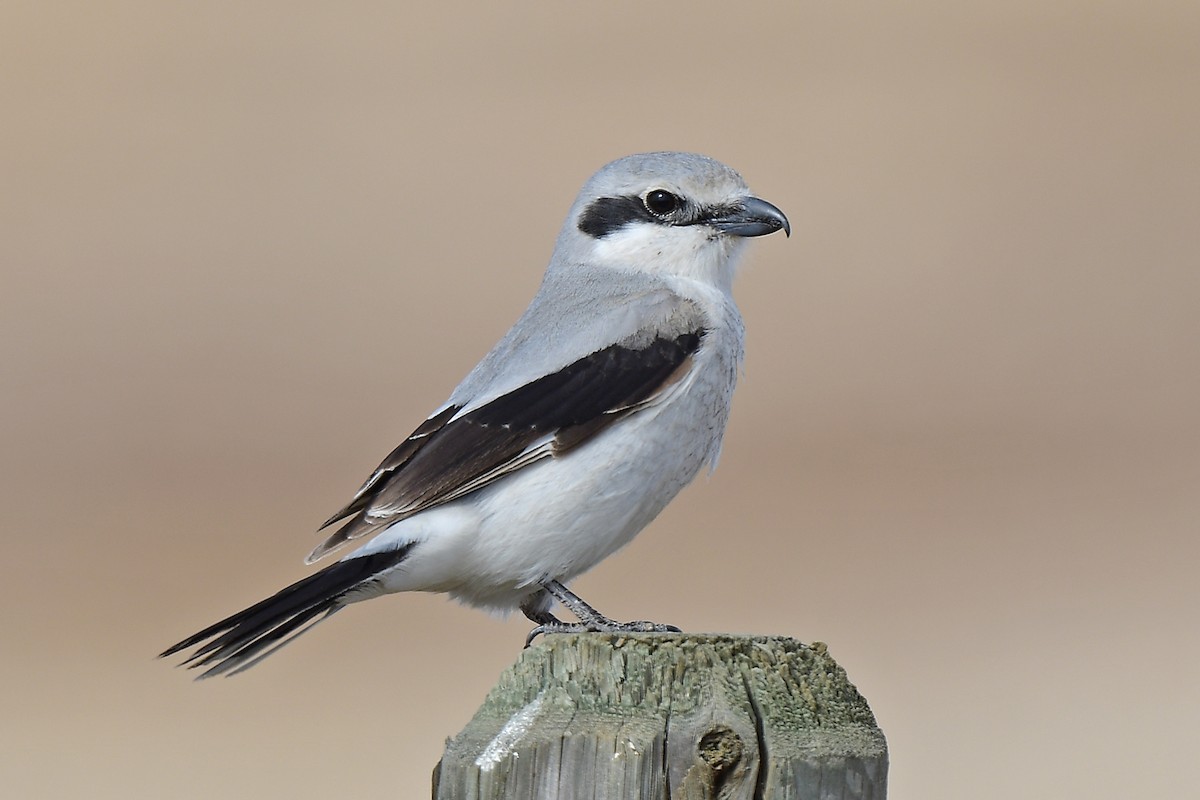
603	625
590	620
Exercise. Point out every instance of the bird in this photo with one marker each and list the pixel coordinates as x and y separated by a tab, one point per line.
608	395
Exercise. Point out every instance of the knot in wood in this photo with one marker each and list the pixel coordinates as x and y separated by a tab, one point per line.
720	748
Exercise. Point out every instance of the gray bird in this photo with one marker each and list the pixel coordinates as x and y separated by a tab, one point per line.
607	397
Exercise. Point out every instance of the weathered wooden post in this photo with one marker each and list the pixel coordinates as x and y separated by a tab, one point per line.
669	717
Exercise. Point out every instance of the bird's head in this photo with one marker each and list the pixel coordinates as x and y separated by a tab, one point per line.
681	214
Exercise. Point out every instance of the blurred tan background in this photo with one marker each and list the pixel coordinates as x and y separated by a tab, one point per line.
247	247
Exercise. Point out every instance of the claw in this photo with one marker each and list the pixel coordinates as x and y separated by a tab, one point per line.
609	626
533	634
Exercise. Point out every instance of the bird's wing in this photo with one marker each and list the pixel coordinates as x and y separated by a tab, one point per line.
453	453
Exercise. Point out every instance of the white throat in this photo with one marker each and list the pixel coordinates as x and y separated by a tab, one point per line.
694	252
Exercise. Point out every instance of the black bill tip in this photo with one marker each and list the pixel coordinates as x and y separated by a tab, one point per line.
752	217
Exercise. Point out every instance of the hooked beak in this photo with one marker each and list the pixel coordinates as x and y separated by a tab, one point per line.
751	217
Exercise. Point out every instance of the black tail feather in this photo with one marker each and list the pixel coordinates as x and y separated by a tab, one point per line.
240	641
255	651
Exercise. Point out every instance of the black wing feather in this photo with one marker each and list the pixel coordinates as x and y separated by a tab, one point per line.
573	404
395	460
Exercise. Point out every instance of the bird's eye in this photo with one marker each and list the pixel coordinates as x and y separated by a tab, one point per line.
660	202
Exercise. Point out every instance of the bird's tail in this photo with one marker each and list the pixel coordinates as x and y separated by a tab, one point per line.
238	642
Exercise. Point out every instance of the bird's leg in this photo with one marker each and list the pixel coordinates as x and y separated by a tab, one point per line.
590	620
577	605
536	608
